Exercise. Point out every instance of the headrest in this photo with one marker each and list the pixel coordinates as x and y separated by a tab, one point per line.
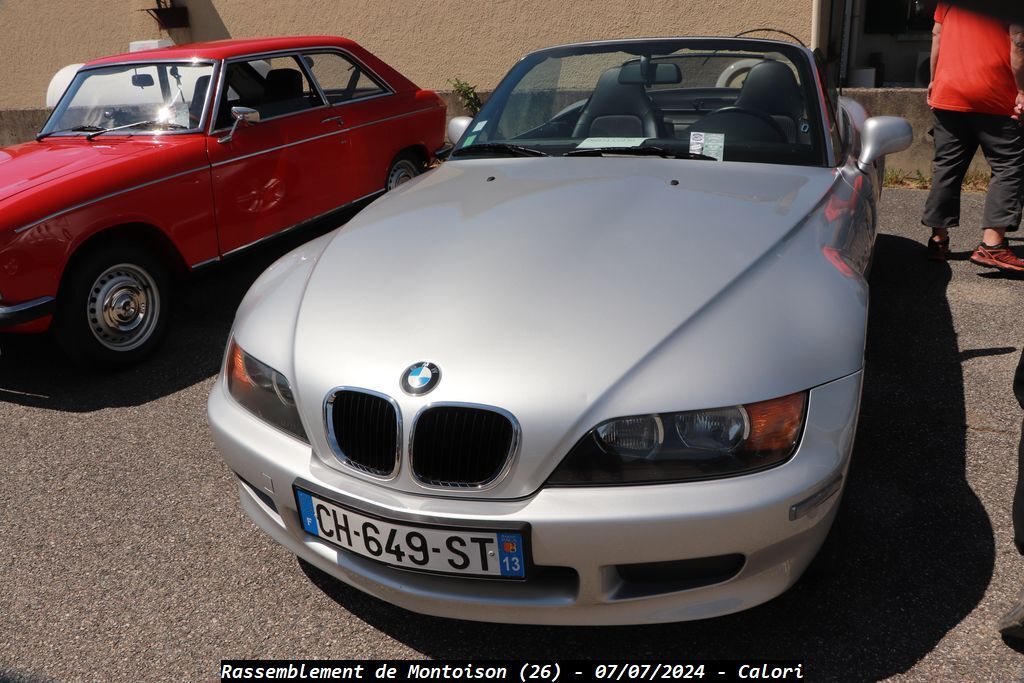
772	88
283	84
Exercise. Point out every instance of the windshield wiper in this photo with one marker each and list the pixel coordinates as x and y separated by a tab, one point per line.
154	122
646	151
76	129
499	148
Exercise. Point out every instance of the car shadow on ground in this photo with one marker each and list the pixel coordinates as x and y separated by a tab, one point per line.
33	371
913	550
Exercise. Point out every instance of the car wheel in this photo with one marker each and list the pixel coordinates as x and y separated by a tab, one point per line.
404	168
113	307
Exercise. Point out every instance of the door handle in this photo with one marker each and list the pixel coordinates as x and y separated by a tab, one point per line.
341	122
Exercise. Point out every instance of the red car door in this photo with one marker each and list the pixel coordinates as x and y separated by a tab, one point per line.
371	111
282	170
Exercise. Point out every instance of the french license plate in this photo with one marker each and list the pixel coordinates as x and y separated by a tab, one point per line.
467	552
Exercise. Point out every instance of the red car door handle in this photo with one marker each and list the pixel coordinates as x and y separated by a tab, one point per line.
340	121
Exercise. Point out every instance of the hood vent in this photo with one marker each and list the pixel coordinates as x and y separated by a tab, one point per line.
455	446
364	430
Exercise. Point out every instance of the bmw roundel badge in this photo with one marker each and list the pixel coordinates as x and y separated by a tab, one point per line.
420	378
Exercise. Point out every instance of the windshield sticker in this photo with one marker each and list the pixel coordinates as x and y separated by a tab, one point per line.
708	144
479	127
469	141
591	143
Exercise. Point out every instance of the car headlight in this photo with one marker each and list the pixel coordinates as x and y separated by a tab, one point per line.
263	391
687	446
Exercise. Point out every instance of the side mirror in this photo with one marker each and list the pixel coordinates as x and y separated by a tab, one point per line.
457	127
883	135
245	115
240	115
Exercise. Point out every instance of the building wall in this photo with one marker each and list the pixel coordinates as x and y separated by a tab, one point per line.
430	41
38	37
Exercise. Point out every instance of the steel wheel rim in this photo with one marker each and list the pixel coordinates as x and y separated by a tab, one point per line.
123	307
401	173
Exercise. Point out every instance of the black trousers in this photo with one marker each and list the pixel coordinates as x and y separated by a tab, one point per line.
957	138
1018	496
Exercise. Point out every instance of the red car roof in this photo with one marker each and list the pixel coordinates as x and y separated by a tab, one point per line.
224	49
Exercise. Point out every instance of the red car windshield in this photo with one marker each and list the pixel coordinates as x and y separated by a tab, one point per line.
136	98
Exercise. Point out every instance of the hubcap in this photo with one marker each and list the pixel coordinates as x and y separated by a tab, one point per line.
123	307
401	173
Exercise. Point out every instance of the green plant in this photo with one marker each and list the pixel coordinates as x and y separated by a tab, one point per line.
974	181
467	95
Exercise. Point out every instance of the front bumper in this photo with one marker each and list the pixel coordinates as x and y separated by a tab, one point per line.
583	536
16	314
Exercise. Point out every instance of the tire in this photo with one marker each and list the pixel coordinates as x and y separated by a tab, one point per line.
113	306
404	168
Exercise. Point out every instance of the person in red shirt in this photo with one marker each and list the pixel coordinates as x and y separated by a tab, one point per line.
974	96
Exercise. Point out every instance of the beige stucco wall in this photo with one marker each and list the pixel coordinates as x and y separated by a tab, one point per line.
38	37
428	40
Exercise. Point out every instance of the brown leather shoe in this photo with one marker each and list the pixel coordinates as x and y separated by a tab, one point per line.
938	250
1001	257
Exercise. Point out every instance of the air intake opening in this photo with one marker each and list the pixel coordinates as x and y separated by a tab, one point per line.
364	431
656	578
461	446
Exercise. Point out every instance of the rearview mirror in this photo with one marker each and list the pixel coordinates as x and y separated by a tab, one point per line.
457	128
883	135
142	80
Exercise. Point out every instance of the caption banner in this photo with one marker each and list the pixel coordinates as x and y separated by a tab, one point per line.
522	671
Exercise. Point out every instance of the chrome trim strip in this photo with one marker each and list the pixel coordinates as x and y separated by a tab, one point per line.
332	106
192	61
297	52
389	118
26	311
386	93
215	101
278	148
306	221
510	457
107	196
332	439
207	262
807	506
208	105
317	137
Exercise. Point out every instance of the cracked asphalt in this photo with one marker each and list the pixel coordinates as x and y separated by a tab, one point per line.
125	555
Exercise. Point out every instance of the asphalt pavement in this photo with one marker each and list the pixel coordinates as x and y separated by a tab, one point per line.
125	555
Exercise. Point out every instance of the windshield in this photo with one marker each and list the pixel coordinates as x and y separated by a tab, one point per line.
144	98
728	99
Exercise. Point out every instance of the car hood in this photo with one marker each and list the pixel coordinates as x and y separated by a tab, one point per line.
541	286
25	166
39	178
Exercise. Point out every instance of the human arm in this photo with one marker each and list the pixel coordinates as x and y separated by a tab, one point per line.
1017	62
936	36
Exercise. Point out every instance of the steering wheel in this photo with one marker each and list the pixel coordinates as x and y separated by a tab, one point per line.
756	113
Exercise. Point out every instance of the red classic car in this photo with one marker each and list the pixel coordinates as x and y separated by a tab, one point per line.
156	163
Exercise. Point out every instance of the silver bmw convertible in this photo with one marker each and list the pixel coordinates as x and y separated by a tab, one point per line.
602	366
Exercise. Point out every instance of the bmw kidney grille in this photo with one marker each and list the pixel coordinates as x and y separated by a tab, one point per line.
461	446
364	430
